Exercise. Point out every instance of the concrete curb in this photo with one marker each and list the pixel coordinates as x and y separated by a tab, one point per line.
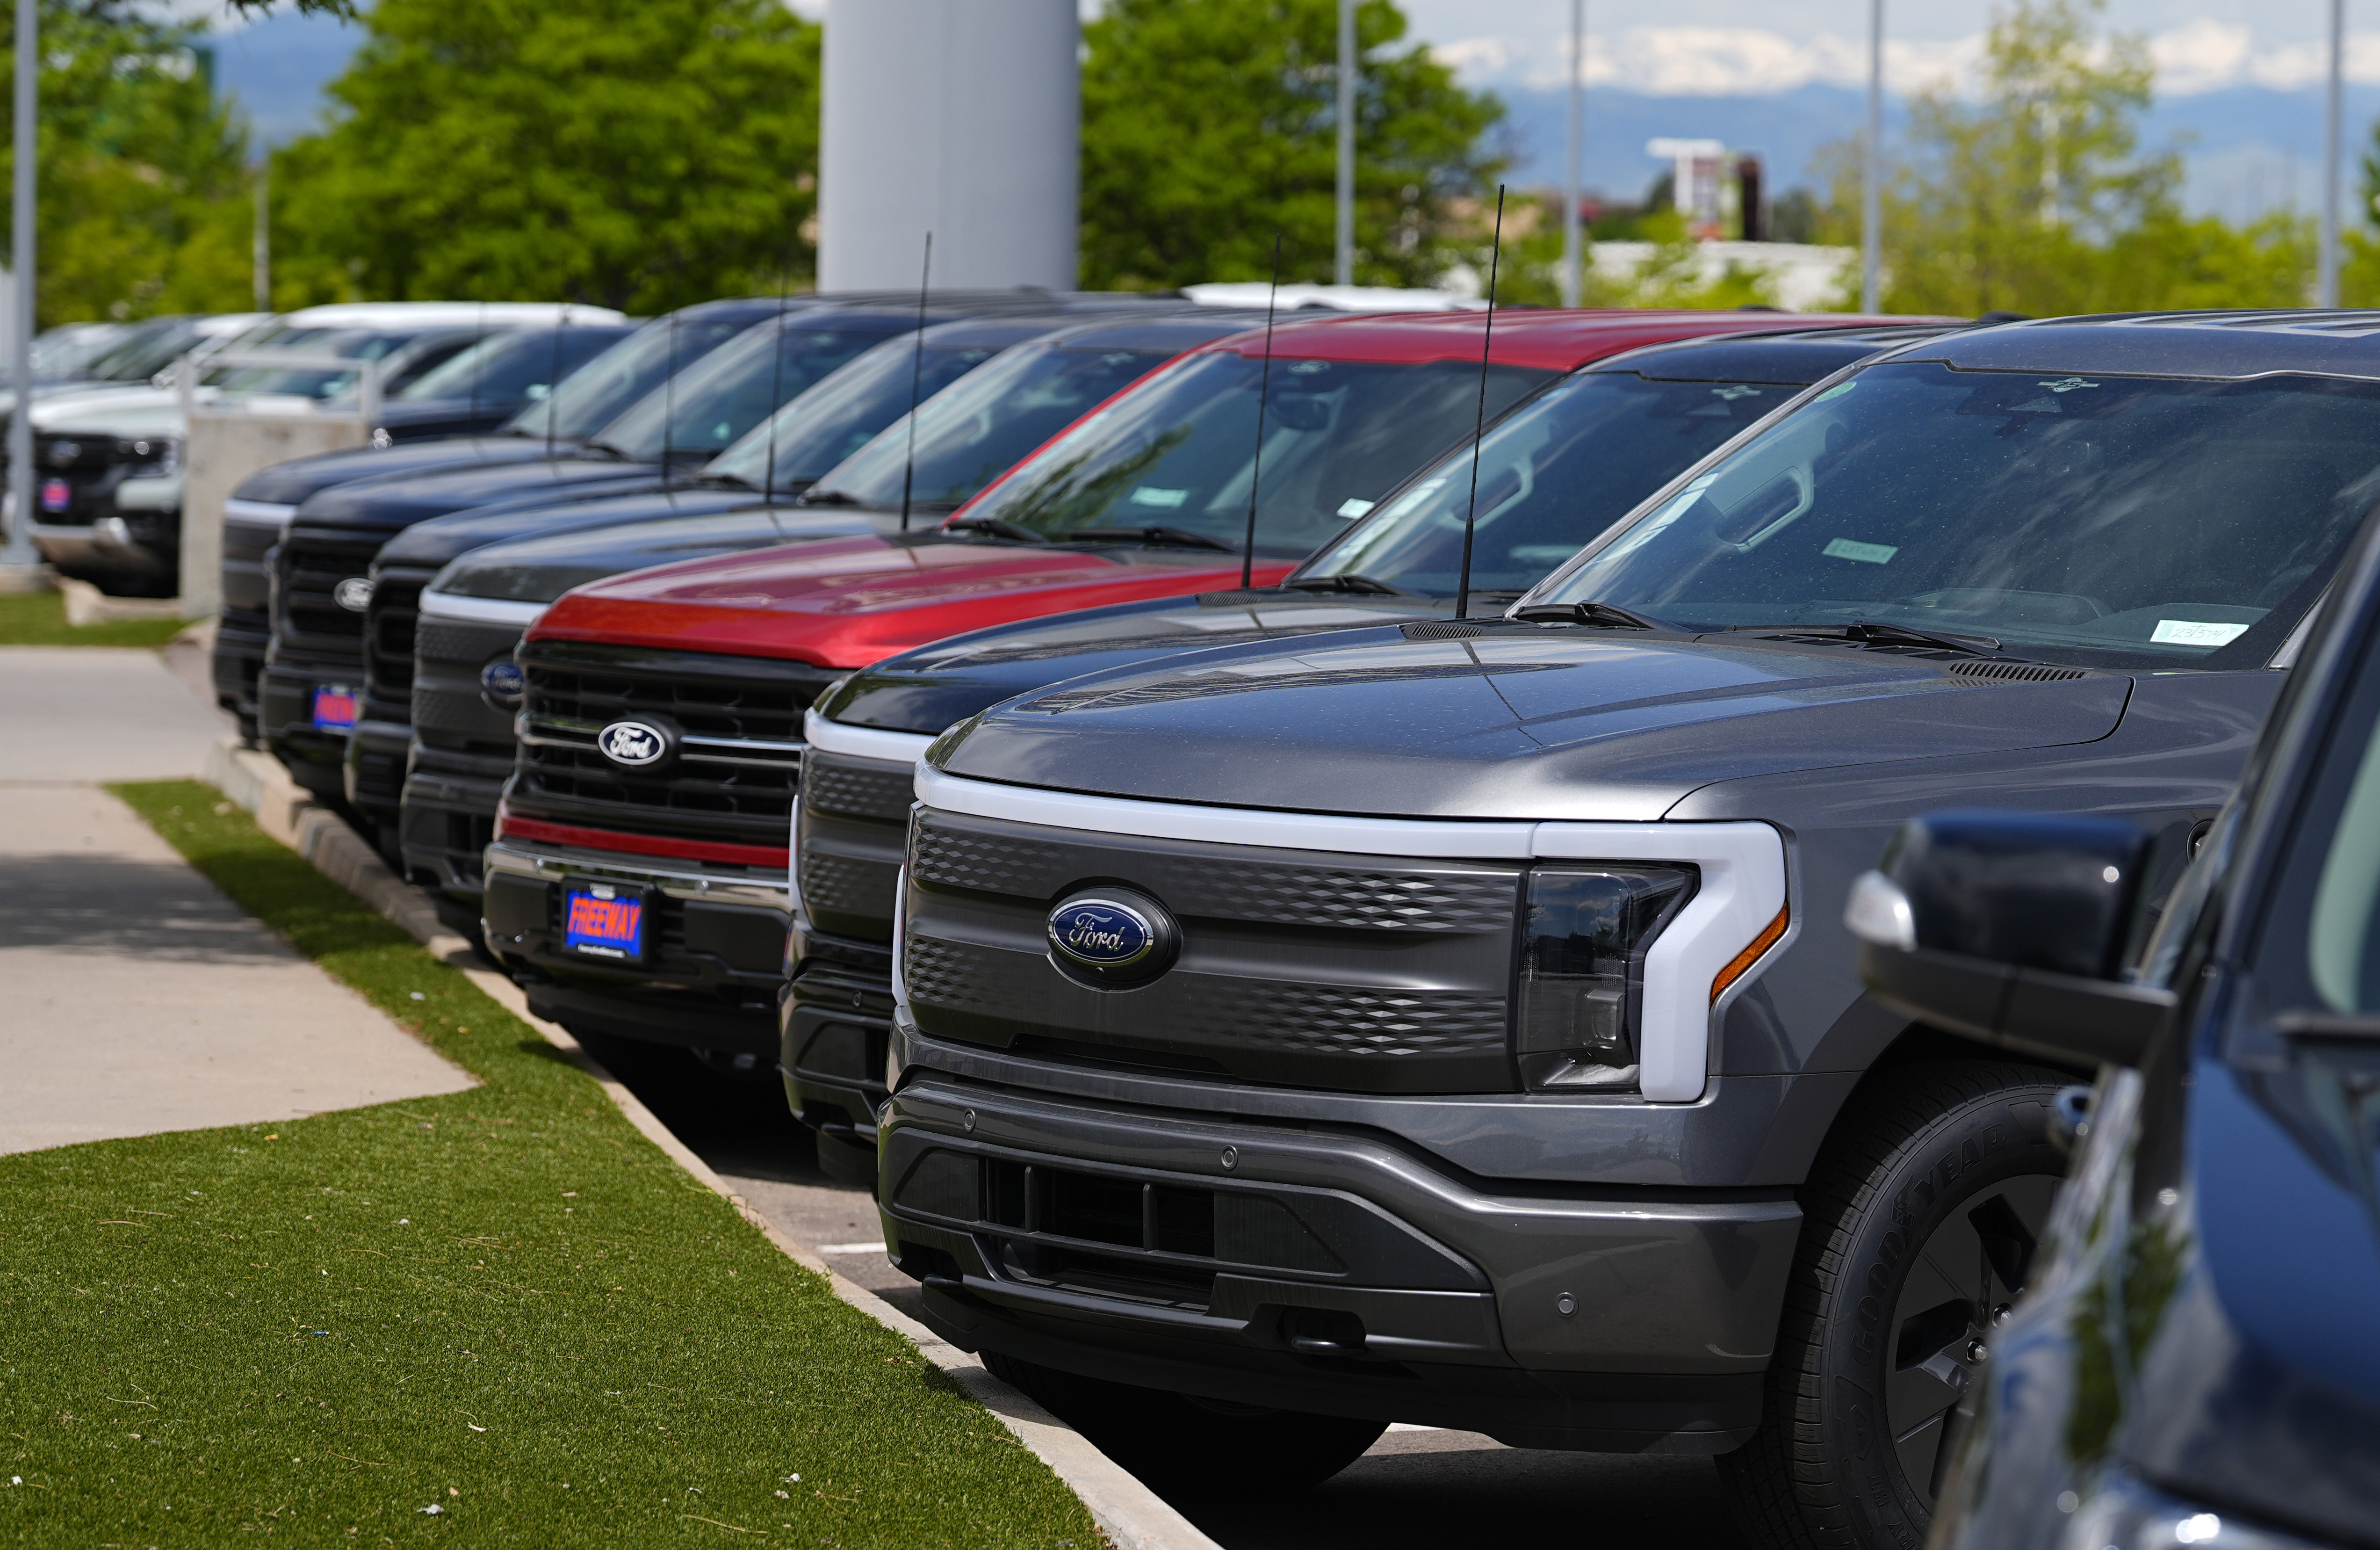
1131	1515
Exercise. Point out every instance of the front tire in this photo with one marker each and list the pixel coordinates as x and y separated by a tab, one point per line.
1922	1216
1179	1445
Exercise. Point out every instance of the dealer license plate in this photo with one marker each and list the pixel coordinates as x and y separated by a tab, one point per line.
603	919
335	708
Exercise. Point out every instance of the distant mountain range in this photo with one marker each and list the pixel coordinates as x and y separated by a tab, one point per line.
2247	148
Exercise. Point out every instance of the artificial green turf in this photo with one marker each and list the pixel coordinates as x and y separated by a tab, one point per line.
40	619
505	1304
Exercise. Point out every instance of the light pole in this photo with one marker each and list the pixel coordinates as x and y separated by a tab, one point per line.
2325	282
1343	244
1572	286
1872	163
18	555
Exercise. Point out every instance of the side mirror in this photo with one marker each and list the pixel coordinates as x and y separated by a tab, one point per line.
2010	927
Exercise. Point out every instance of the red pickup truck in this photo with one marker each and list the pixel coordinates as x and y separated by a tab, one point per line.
637	884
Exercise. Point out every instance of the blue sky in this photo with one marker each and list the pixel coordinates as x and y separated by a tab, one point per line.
2238	82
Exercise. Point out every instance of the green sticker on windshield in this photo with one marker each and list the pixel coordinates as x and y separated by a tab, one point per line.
1836	391
1866	554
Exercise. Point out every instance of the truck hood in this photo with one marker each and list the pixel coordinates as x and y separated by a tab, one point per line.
541	569
849	602
115	411
1507	722
444	538
937	686
401	500
291	483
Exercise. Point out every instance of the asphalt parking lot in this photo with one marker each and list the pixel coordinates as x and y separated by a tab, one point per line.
1415	1488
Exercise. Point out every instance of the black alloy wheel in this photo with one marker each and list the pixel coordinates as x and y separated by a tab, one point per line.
1922	1217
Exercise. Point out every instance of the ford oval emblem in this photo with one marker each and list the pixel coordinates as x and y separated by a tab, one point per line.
1112	937
503	682
354	594
636	744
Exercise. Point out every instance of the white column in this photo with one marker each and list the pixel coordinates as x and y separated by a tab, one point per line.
954	116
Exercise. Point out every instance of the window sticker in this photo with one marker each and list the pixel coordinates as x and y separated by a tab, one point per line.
1351	508
1836	391
1866	554
2196	632
1164	500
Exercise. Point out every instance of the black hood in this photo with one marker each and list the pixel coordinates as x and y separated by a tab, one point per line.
399	501
541	569
435	543
294	482
936	687
1508	721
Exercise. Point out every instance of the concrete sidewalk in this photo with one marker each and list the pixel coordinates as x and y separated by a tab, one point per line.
135	998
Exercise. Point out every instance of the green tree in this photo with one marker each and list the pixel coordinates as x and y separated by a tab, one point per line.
1209	126
142	171
634	153
2038	197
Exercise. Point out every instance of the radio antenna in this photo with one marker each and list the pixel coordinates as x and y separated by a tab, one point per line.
478	357
669	400
917	375
777	382
1479	427
1264	387
554	379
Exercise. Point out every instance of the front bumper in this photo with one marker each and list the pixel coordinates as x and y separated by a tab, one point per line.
710	976
835	1025
1328	1270
447	816
241	636
372	769
314	756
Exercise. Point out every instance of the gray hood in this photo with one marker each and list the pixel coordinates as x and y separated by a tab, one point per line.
1509	721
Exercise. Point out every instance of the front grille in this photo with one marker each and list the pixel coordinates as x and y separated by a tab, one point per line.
450	707
389	628
852	826
740	722
308	568
1296	967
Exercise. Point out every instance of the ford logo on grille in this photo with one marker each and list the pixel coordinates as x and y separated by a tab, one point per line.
354	594
1113	937
501	682
638	745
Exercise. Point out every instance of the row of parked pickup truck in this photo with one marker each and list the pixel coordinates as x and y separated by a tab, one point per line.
1304	859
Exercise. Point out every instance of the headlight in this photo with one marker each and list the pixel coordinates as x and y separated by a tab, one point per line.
149	457
2133	1515
1580	980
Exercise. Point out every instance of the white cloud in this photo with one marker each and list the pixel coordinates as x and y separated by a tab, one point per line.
2200	55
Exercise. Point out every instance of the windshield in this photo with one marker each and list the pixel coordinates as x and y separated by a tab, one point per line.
970	435
148	351
2102	520
67	350
1180	452
844	413
1552	476
709	408
597	394
352	344
513	368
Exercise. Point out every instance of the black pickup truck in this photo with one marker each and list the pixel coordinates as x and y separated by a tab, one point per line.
1454	1022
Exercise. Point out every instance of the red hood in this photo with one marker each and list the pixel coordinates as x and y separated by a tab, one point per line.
850	602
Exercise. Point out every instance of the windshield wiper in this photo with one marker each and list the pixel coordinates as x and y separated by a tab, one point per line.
606	449
995	527
1602	615
1177	538
1869	633
829	497
1346	581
